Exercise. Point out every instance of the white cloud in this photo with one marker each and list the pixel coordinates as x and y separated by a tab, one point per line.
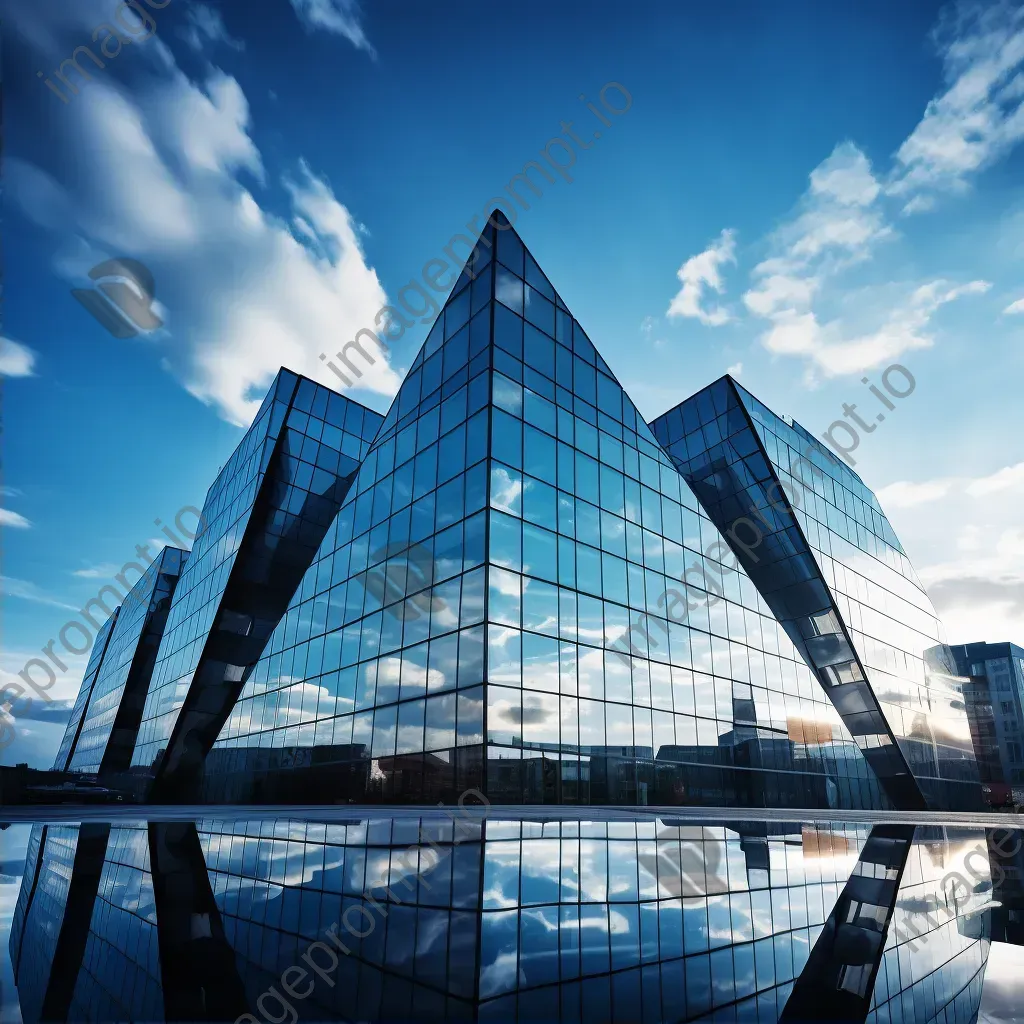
838	223
1007	478
1014	307
16	360
780	291
245	291
846	211
905	494
700	272
846	177
977	586
833	350
340	17
205	25
12	520
104	571
735	370
979	117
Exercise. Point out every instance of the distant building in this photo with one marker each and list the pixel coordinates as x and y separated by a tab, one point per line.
994	696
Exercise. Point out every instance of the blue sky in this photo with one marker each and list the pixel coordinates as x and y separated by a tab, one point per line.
802	194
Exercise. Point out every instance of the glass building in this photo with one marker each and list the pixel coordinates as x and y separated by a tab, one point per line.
817	545
496	604
467	916
511	583
994	695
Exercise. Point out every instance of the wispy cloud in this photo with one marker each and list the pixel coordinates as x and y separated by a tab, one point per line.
700	273
839	223
12	520
1007	478
835	350
16	360
24	590
206	26
339	17
969	548
1014	307
65	688
849	210
246	291
905	494
105	570
979	117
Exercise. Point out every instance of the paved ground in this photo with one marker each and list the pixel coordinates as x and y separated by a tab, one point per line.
350	812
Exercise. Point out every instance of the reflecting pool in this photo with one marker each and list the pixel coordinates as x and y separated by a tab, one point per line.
473	915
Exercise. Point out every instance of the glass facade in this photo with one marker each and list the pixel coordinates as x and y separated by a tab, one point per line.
262	520
820	550
497	603
118	976
110	724
74	726
468	916
51	924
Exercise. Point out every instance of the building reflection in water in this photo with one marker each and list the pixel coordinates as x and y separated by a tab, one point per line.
431	916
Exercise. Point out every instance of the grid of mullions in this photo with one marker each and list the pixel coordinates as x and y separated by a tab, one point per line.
343	656
280	885
602	912
44	916
888	615
99	648
202	583
120	974
393	609
932	967
590	524
33	852
890	619
109	687
325	434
